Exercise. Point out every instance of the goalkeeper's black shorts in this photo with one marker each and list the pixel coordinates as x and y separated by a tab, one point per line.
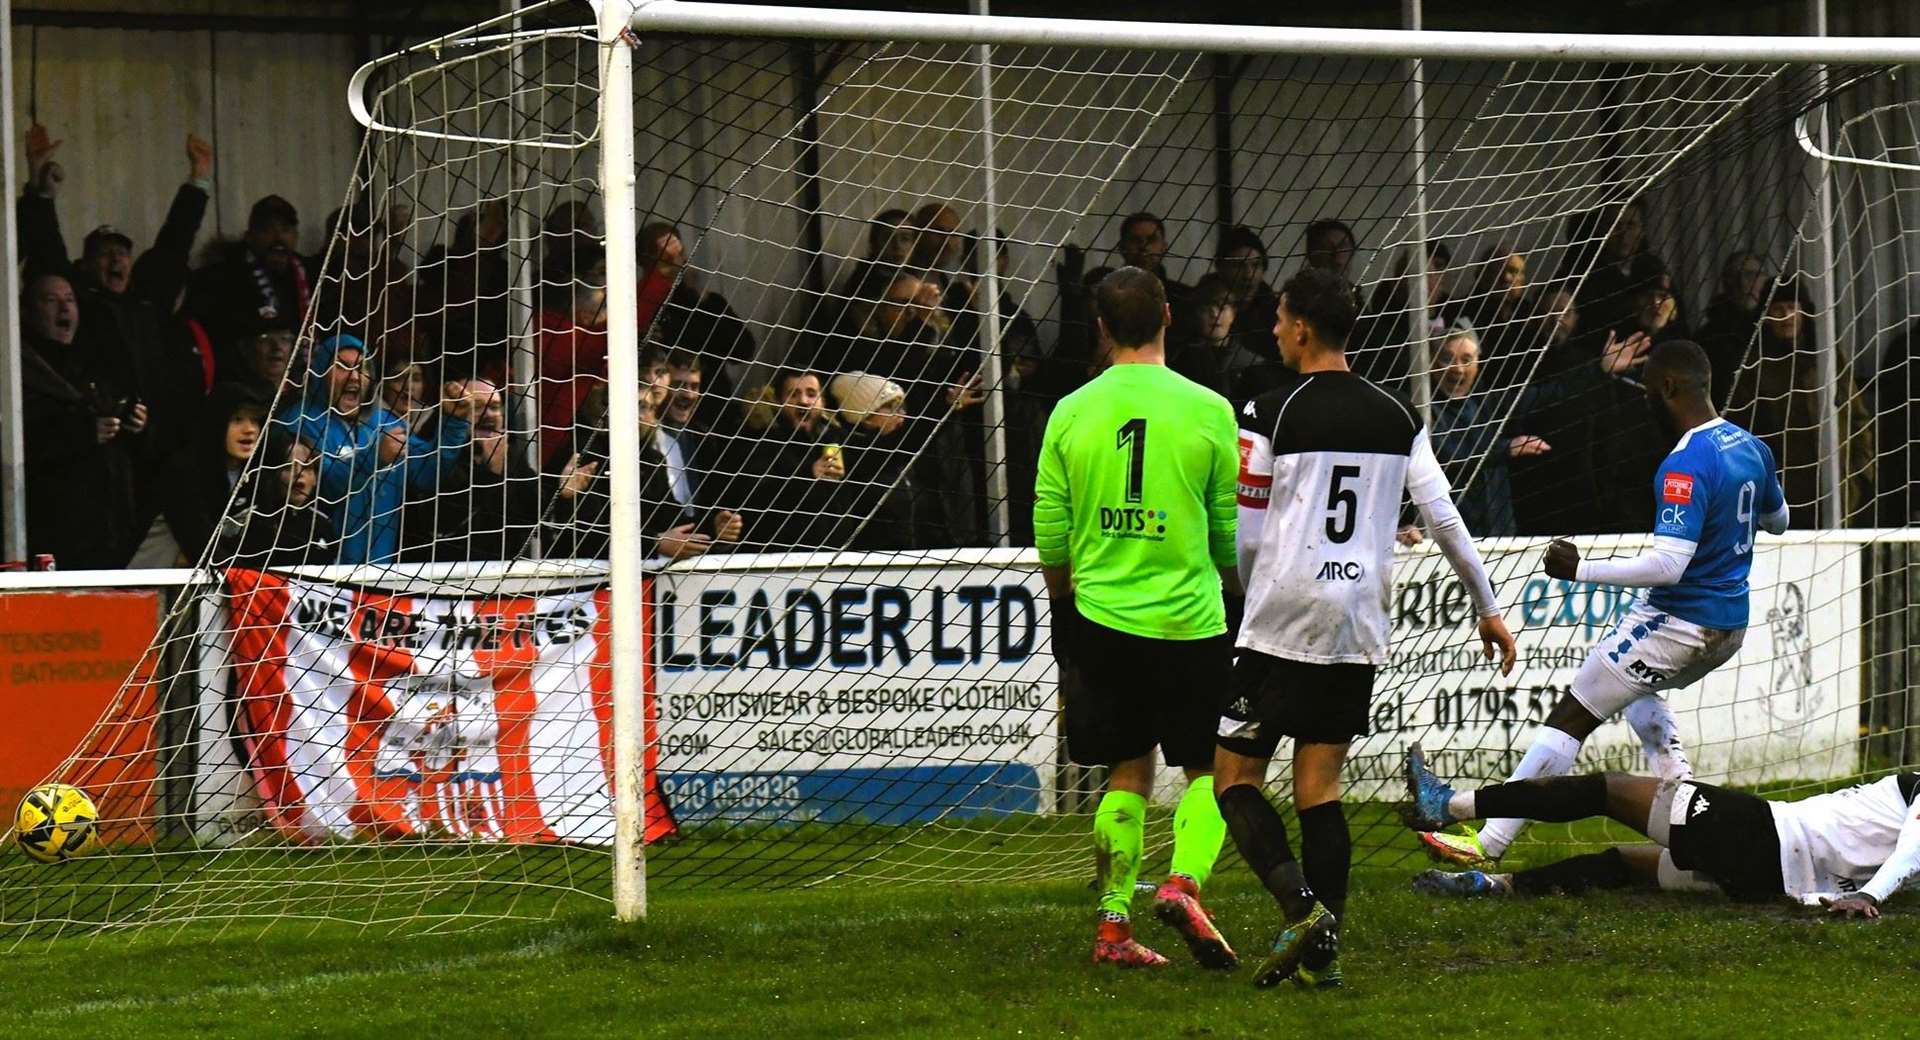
1126	694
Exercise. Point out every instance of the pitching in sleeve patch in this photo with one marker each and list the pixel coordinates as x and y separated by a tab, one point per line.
1676	488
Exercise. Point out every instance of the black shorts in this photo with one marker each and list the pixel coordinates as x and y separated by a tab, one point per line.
1125	694
1312	703
1730	837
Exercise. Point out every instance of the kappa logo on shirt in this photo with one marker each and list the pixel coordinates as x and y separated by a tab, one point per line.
1700	805
1676	488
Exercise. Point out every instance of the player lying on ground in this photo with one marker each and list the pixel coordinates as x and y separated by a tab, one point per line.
1716	485
1133	520
1325	458
1847	851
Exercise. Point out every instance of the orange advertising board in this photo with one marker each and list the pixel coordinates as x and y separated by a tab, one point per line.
65	658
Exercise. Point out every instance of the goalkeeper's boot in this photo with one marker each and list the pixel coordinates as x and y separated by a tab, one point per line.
1320	967
1177	905
1461	850
1427	795
1115	945
1292	944
1464	884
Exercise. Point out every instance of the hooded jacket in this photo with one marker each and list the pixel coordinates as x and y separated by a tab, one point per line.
359	493
199	481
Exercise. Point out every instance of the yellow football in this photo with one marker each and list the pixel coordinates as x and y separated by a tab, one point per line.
55	823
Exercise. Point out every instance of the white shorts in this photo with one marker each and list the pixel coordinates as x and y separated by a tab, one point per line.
1646	652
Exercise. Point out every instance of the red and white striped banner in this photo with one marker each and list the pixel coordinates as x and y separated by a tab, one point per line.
378	716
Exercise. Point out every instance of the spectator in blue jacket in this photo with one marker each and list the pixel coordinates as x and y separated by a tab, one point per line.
368	460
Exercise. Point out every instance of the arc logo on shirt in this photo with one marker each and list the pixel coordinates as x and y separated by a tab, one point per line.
1676	488
1341	570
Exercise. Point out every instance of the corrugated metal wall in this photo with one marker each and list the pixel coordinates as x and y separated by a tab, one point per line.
123	101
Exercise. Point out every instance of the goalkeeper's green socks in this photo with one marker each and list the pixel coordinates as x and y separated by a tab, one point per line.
1119	833
1198	833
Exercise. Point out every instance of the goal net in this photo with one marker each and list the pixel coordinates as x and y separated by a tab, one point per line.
860	281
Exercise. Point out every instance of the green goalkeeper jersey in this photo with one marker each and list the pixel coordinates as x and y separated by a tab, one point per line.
1136	490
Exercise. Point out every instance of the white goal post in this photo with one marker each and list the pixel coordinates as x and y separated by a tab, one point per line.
825	23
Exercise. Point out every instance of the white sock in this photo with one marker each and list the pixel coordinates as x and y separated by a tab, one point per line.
1653	720
1552	754
1460	806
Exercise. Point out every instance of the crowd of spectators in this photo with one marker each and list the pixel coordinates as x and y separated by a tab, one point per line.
272	408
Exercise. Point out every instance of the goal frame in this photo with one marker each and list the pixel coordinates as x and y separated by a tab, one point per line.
619	23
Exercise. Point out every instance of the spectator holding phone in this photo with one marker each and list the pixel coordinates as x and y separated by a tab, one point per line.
83	428
788	479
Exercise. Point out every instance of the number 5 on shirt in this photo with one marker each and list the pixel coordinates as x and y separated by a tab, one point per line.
1342	503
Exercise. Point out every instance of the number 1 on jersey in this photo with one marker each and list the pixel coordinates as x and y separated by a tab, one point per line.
1133	436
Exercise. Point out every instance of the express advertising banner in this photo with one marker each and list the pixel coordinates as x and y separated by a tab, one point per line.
1786	707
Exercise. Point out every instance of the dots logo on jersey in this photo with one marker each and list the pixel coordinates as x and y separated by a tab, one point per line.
1133	523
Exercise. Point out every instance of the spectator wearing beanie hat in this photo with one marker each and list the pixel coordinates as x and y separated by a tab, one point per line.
860	396
882	442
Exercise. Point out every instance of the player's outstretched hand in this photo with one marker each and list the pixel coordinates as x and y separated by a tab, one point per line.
1859	904
1495	637
1562	560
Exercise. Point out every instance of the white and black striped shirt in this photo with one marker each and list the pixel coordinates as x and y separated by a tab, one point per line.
1324	459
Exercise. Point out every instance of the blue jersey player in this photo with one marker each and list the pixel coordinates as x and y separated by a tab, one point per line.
1711	493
